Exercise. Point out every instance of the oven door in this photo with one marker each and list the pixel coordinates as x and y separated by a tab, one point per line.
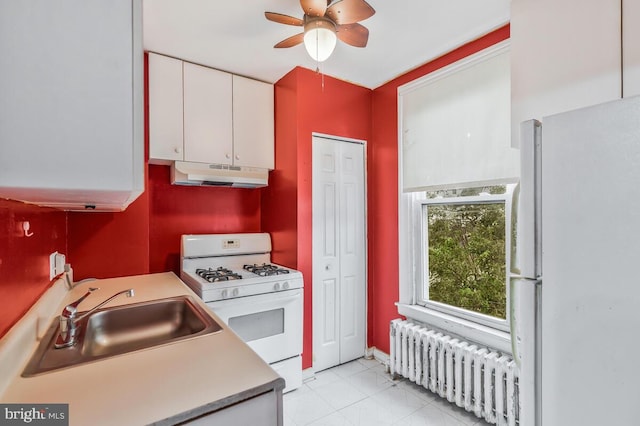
271	324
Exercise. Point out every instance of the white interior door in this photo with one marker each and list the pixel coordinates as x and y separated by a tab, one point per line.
339	241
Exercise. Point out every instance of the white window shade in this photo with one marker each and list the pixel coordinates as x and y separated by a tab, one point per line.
455	125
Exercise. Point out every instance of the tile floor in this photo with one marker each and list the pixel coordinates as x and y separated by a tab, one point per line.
362	393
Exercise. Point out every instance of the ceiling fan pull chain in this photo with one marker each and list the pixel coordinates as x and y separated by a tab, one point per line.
318	62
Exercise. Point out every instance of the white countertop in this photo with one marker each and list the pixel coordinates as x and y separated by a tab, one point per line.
154	384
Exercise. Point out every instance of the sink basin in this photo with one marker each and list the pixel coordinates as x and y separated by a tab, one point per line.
124	329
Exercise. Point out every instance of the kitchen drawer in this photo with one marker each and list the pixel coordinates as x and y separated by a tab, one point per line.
262	410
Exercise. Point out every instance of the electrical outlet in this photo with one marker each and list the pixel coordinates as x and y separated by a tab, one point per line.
56	264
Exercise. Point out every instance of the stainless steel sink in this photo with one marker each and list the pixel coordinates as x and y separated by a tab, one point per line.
123	329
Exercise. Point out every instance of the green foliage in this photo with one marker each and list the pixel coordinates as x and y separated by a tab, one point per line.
467	256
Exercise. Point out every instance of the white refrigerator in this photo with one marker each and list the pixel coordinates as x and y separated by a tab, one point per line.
575	274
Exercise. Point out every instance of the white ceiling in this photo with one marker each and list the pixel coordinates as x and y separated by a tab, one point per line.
235	36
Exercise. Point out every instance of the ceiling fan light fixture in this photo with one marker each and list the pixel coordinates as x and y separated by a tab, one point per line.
320	39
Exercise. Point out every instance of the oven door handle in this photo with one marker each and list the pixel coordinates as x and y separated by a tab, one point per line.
258	298
288	296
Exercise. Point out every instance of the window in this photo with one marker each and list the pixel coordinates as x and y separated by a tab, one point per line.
463	252
457	172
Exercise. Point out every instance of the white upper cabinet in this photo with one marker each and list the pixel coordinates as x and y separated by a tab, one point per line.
253	123
565	55
165	108
631	47
71	103
208	133
203	115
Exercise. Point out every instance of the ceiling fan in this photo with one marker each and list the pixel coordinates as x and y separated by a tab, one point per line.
324	21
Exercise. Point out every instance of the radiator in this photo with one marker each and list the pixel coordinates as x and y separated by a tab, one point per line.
477	379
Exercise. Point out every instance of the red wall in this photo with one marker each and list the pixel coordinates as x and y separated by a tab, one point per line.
24	261
383	201
303	106
177	210
280	199
105	245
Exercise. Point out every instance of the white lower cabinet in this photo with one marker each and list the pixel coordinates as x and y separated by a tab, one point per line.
199	114
262	410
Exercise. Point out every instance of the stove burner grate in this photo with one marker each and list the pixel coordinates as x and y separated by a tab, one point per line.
219	274
265	270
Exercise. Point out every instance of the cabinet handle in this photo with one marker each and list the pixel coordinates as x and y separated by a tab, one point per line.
237	157
228	156
177	150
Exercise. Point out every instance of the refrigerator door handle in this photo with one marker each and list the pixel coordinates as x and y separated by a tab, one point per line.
513	320
523	305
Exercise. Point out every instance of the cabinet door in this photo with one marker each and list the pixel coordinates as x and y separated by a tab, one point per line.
253	126
71	110
207	115
262	410
564	56
631	47
165	109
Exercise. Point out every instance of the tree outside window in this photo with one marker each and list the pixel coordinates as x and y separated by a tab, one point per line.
466	256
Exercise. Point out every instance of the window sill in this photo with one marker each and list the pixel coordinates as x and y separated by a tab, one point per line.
481	334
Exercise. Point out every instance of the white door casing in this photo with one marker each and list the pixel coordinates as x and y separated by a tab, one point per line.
339	252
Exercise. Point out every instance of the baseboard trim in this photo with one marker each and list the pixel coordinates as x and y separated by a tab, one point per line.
378	355
308	374
370	353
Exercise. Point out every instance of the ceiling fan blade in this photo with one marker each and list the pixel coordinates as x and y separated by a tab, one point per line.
291	41
283	19
344	12
314	7
353	34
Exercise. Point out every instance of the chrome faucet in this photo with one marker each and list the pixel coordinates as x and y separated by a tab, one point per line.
69	321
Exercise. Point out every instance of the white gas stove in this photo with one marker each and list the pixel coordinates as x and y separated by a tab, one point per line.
262	302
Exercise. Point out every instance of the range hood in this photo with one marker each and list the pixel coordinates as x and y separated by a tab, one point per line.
203	174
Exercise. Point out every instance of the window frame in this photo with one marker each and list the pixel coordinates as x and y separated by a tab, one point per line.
420	255
408	239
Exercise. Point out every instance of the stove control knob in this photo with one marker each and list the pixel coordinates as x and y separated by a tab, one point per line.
225	294
276	286
286	285
236	292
